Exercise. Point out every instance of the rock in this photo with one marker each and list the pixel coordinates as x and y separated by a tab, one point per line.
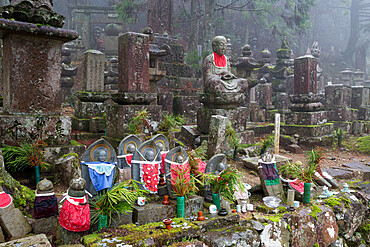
37	240
67	237
231	236
217	222
338	243
349	217
362	170
253	224
68	168
339	173
275	234
307	230
151	213
45	225
13	222
2	238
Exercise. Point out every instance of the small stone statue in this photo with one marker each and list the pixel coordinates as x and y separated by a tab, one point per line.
46	204
217	75
267	156
216	164
75	213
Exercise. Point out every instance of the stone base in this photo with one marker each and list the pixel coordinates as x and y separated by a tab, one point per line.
192	206
188	134
151	213
118	117
306	118
13	222
187	106
313	142
343	114
308	130
55	129
37	240
89	109
364	113
262	129
67	237
45	225
252	163
81	124
237	116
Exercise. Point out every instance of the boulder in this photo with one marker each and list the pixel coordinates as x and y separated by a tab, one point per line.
13	222
231	236
275	234
67	169
37	240
312	225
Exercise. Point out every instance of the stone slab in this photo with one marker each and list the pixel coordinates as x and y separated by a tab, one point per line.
307	130
187	106
252	163
342	114
151	213
93	71
262	129
89	109
359	168
45	225
14	223
306	118
339	173
338	95
81	124
192	206
165	99
39	240
189	133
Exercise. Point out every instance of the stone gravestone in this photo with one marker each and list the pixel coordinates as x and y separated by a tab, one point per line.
93	79
338	103
177	161
101	157
126	150
145	166
215	165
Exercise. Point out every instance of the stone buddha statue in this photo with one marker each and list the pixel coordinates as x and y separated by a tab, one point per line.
217	75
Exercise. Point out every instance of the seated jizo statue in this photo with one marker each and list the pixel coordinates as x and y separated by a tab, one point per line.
220	85
126	150
98	166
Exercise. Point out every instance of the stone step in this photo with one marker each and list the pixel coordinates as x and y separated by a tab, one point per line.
39	240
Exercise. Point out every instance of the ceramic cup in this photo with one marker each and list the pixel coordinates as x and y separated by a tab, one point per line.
296	204
250	207
213	209
239	208
141	201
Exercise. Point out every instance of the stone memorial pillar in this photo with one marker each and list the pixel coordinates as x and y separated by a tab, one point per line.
93	75
361	101
338	103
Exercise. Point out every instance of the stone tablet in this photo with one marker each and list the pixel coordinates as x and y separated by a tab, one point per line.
176	159
99	151
145	166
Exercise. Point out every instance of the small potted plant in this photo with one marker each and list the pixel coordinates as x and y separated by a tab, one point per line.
183	186
224	184
120	199
304	173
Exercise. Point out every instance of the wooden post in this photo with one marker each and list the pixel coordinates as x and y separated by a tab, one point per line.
277	133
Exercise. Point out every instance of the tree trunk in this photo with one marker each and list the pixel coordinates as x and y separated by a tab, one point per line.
194	25
354	34
209	24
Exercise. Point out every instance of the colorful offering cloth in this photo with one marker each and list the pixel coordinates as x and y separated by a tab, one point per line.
298	185
5	200
176	168
75	214
163	164
150	176
270	174
127	157
46	205
101	174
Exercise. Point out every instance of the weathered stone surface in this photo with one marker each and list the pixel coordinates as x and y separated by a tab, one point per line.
177	69
151	213
121	219
232	236
307	231
189	133
358	167
275	234
124	98
31	70
39	240
67	237
93	79
264	95
2	238
338	96
349	219
81	124
180	85
306	118
56	129
253	224
252	162
342	114
193	205
118	117
85	110
217	135
360	96
339	173
187	106
217	222
160	16
133	62
165	99
67	168
305	75
307	130
2	165
97	125
92	96
45	225
14	223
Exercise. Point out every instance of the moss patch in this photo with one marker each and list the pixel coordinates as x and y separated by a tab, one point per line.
333	201
314	211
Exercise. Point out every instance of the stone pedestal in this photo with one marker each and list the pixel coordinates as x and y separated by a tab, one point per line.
264	95
151	213
217	135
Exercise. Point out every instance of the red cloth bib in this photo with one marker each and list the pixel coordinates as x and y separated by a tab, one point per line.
175	170
150	176
220	61
201	165
129	158
75	218
5	200
163	155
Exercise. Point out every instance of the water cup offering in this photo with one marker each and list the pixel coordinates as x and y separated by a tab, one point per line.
239	208
250	207
213	209
141	201
296	204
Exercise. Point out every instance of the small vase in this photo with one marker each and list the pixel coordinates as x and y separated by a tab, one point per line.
307	193
200	216
37	174
180	206
216	201
166	201
167	222
103	222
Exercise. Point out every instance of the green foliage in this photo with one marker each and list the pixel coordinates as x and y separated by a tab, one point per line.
333	201
338	134
303	172
267	143
184	185
193	59
226	183
233	139
26	155
364	144
127	10
170	122
120	198
139	123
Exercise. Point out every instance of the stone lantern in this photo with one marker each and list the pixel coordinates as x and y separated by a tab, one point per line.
346	76
358	78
